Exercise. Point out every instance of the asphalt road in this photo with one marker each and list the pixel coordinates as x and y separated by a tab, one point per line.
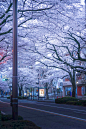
49	115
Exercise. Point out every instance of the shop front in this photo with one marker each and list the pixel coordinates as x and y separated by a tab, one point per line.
68	91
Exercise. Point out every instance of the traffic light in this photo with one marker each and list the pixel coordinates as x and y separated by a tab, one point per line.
5	79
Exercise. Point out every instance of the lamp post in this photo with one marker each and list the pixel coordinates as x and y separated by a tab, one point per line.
14	81
85	12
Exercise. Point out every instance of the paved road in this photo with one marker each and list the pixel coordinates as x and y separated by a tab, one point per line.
49	115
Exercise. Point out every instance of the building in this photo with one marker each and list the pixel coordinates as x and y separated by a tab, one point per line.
80	86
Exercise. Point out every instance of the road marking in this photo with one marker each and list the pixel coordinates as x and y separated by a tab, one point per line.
63	107
55	106
79	112
3	113
4	102
76	118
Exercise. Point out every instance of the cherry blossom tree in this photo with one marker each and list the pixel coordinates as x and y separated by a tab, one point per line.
27	78
42	26
66	48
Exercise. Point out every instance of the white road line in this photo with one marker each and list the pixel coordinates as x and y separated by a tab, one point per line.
79	112
63	108
4	102
53	112
76	118
3	113
56	107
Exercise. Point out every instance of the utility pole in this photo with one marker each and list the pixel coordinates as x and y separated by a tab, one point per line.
85	13
14	81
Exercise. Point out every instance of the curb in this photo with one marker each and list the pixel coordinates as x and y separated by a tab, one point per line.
49	101
3	113
46	101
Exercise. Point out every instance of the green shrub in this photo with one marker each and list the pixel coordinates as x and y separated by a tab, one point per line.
59	100
65	99
0	116
70	98
9	117
74	102
8	123
19	97
79	103
18	124
71	102
8	97
83	102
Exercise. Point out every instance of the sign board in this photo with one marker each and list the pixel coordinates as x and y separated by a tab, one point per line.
41	93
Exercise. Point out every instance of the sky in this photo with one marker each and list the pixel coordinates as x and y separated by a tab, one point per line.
83	2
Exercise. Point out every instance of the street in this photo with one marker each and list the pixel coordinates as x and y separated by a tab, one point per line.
49	115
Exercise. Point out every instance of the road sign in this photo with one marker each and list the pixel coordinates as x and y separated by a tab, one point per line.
41	93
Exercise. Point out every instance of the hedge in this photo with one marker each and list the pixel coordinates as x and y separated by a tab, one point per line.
18	124
19	97
22	97
71	101
81	102
0	115
6	122
65	99
9	117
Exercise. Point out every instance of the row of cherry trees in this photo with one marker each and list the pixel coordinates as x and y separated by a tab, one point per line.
66	46
49	32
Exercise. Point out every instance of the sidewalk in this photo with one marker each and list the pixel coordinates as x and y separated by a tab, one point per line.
27	100
49	101
40	100
43	100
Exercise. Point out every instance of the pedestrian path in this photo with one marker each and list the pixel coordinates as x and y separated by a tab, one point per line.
49	101
29	100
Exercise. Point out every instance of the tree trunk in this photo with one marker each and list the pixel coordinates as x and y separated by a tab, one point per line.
19	91
23	93
73	93
46	85
73	81
47	97
74	89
